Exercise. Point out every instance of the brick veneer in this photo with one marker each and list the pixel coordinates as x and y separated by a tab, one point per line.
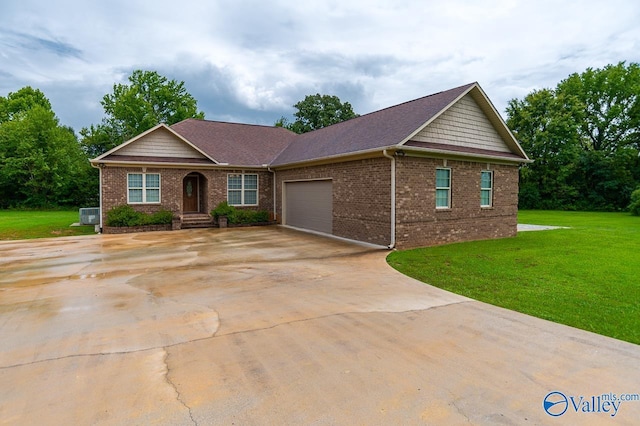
361	200
419	223
128	229
213	185
361	196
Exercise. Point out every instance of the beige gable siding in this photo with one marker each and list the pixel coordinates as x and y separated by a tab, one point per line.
463	124
160	143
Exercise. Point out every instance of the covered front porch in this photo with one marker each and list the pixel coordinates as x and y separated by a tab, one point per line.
195	208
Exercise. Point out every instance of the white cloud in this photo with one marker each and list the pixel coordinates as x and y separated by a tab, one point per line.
251	60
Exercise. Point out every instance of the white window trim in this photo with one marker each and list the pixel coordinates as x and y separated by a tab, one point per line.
242	190
448	188
490	189
144	189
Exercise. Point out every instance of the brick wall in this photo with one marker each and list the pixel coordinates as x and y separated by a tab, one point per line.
213	185
420	224
128	229
361	197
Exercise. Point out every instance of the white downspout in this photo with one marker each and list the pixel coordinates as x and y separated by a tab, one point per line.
100	197
275	199
392	244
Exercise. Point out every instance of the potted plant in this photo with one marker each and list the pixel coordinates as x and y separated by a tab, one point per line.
222	212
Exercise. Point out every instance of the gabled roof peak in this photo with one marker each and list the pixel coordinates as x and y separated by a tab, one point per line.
380	129
158	127
255	145
463	88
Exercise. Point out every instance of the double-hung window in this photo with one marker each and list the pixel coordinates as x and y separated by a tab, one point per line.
143	188
443	188
486	188
242	189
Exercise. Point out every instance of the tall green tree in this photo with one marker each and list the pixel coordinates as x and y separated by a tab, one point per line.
317	111
584	139
17	104
41	162
546	129
148	99
609	99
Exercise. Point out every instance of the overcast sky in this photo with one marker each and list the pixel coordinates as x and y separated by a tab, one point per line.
250	61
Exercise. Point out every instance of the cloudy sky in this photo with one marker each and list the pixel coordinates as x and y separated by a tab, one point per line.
250	61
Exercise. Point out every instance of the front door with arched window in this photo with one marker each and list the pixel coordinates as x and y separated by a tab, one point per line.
191	193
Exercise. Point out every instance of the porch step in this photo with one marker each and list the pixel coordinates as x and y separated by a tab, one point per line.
190	221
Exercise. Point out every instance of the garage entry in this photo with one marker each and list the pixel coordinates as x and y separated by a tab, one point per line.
309	205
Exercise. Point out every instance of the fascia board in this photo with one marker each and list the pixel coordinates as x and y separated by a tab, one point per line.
162	165
332	158
503	129
460	154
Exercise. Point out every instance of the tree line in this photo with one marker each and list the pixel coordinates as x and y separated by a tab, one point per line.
584	138
41	162
44	164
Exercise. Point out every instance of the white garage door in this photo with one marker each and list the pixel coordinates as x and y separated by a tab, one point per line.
309	205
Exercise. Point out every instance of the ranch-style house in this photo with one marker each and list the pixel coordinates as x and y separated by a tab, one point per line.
438	169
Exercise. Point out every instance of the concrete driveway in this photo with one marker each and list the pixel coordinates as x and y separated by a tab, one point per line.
273	326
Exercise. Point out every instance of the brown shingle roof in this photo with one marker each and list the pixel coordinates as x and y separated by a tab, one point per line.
255	145
379	129
235	144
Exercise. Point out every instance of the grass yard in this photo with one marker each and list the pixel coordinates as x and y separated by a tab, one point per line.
587	276
22	225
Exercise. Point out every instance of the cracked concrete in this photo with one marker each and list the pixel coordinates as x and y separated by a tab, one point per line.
272	326
173	385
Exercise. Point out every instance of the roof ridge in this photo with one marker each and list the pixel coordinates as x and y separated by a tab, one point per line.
420	98
229	122
335	124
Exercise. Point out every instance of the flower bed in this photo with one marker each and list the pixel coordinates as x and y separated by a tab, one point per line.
239	217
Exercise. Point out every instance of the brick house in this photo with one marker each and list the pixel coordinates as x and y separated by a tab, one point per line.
439	169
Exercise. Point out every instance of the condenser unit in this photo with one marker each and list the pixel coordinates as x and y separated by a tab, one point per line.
90	216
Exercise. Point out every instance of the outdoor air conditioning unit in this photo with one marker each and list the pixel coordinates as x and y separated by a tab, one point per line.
90	216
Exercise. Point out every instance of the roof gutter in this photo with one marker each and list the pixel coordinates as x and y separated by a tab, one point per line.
96	163
405	148
331	158
392	244
464	155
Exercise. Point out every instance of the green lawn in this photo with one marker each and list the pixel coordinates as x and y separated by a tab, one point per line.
21	225
587	276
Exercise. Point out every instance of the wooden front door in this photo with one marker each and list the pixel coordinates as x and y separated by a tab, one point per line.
190	193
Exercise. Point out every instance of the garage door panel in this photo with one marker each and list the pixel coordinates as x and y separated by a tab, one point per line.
309	205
